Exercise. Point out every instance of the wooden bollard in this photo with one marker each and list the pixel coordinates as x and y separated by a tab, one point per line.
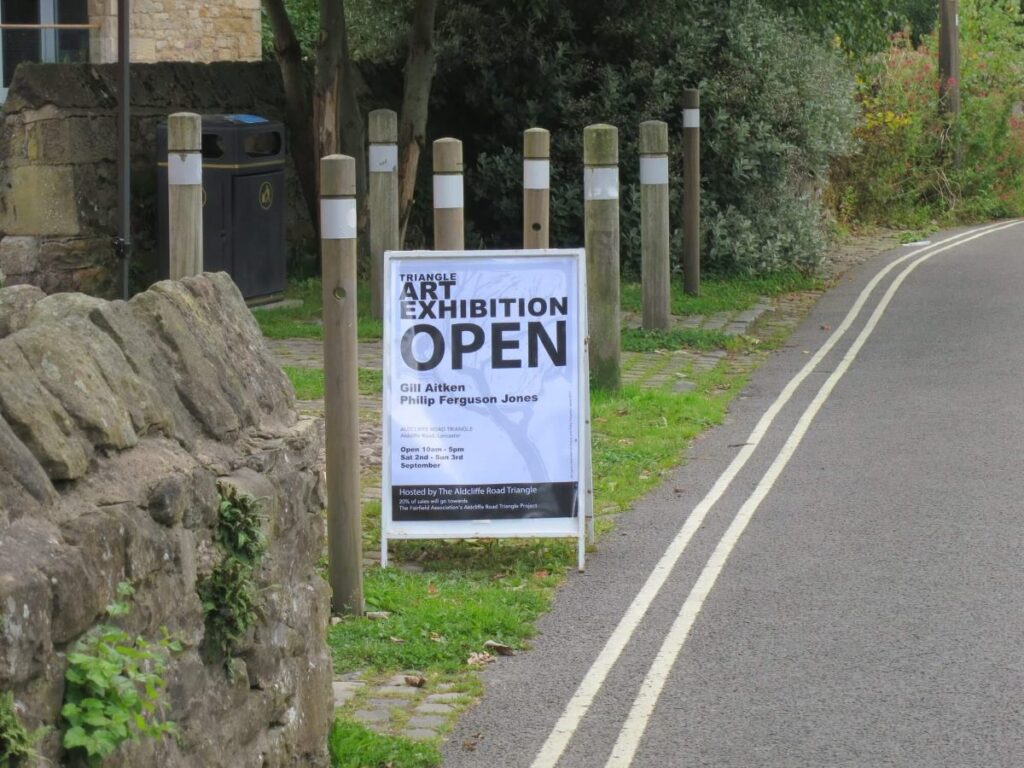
536	187
341	388
383	173
449	215
691	192
654	226
185	194
601	222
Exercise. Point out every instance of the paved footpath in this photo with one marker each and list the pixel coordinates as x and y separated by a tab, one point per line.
392	705
834	578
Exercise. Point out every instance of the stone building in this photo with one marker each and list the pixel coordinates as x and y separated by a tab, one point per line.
58	169
162	30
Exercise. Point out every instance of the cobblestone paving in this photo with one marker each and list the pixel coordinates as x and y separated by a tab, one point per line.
393	706
396	707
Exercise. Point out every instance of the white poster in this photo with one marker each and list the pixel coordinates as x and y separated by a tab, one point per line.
484	393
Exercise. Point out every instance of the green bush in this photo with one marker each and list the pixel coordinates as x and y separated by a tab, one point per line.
904	171
777	106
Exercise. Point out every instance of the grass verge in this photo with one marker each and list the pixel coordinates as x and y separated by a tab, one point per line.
355	746
726	295
309	382
302	321
639	340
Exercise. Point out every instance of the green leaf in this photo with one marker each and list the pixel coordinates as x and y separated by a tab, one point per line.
76	737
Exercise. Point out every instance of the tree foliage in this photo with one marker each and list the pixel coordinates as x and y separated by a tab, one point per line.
776	107
861	27
905	171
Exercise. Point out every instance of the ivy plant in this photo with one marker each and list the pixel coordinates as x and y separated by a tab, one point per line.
229	594
115	688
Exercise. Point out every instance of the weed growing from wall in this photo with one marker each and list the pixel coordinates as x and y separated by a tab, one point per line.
115	687
229	594
16	742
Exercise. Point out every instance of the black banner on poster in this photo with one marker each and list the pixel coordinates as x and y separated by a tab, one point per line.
505	501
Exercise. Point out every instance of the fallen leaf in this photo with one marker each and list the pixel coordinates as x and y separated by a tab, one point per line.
540	574
378	615
394	639
469	745
826	327
436	637
431	589
500	648
416	681
479	659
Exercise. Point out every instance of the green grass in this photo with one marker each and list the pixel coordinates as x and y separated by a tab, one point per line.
638	434
303	321
732	294
639	340
355	746
441	617
309	382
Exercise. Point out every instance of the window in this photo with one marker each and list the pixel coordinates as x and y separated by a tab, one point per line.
43	43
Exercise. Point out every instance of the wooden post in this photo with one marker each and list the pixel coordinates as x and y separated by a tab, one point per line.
341	389
383	172
601	221
949	58
691	192
449	216
654	226
185	194
536	187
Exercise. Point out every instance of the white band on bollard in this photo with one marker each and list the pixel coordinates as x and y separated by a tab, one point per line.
654	169
338	218
448	190
383	158
536	174
691	118
184	169
601	183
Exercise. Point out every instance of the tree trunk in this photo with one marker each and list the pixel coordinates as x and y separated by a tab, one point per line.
297	102
412	125
353	143
336	110
327	90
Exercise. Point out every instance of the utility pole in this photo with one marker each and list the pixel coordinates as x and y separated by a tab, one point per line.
949	58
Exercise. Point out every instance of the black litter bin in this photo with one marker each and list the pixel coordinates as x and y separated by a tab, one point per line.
243	202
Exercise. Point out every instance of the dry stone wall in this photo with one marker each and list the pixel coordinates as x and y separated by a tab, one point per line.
58	170
117	420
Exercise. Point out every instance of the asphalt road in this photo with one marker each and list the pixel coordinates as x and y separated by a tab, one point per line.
852	596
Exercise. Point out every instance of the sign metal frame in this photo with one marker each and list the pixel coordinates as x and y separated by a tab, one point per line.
561	527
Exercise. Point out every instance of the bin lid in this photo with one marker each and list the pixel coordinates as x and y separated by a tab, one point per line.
246	119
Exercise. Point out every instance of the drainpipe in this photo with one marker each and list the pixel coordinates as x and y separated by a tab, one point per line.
123	241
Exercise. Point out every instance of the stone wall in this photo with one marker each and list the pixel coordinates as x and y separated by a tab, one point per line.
58	171
170	30
116	422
